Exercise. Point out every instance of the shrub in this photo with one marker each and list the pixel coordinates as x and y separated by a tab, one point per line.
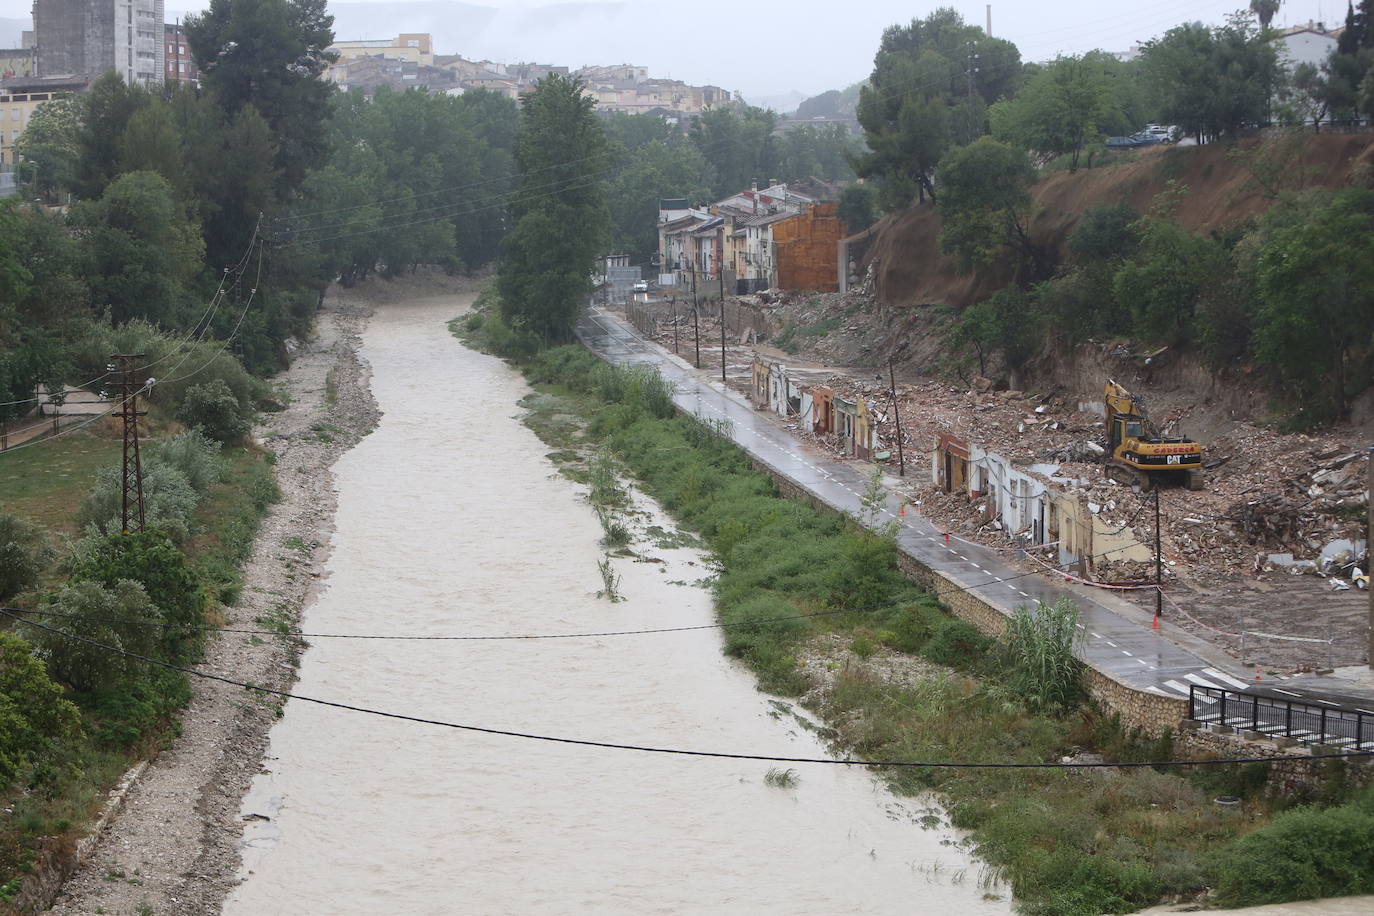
23	555
90	610
1305	853
1036	654
150	559
195	455
212	407
33	714
168	501
956	643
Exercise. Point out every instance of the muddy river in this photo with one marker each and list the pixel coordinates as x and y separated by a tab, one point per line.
452	522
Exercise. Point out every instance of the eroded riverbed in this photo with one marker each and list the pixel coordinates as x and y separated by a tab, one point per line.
452	522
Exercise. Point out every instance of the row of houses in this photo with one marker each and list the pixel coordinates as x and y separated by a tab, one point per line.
850	424
1033	505
770	238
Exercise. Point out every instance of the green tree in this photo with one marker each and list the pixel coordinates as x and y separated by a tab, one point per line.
24	554
561	221
985	207
150	559
858	207
212	408
270	54
932	81
1264	11
116	617
1005	323
34	717
49	148
1316	285
139	251
1346	72
1105	233
659	169
739	145
108	106
1213	82
1061	109
1173	272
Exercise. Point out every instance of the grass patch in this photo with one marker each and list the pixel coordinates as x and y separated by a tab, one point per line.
781	779
45	482
227	520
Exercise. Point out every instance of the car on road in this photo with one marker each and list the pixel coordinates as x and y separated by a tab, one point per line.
1132	142
1163	133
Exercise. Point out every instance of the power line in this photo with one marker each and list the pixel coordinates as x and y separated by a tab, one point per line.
650	749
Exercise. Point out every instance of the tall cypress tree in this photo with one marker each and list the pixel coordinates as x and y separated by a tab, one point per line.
561	220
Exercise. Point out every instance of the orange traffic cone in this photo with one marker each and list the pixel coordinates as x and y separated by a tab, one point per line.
1155	625
1257	673
902	511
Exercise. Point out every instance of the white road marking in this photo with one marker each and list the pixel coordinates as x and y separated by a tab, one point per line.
1222	676
1181	688
1201	681
1124	652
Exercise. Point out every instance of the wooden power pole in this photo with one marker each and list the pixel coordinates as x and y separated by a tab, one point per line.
896	415
720	269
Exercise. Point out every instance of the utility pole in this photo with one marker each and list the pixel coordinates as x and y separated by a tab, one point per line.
896	415
673	302
130	516
696	318
720	269
1369	546
972	71
1159	561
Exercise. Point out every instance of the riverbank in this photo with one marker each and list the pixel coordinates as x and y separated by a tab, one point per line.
173	846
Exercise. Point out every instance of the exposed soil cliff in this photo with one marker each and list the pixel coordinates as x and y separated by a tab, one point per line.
1225	185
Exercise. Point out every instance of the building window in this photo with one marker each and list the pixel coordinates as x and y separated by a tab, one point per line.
181	65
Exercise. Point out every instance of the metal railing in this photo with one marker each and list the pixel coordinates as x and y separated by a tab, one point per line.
1332	724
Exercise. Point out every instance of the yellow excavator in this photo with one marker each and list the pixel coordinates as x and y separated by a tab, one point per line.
1135	447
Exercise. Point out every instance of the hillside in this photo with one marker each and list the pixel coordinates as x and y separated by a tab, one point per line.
909	269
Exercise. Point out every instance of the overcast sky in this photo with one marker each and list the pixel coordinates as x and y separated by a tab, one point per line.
760	47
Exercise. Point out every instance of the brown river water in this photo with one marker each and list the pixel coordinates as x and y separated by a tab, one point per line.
452	521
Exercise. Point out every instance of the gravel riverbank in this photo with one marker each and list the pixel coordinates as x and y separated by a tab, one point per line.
173	847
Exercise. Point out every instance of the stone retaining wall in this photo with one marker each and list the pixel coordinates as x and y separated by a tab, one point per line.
1303	771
